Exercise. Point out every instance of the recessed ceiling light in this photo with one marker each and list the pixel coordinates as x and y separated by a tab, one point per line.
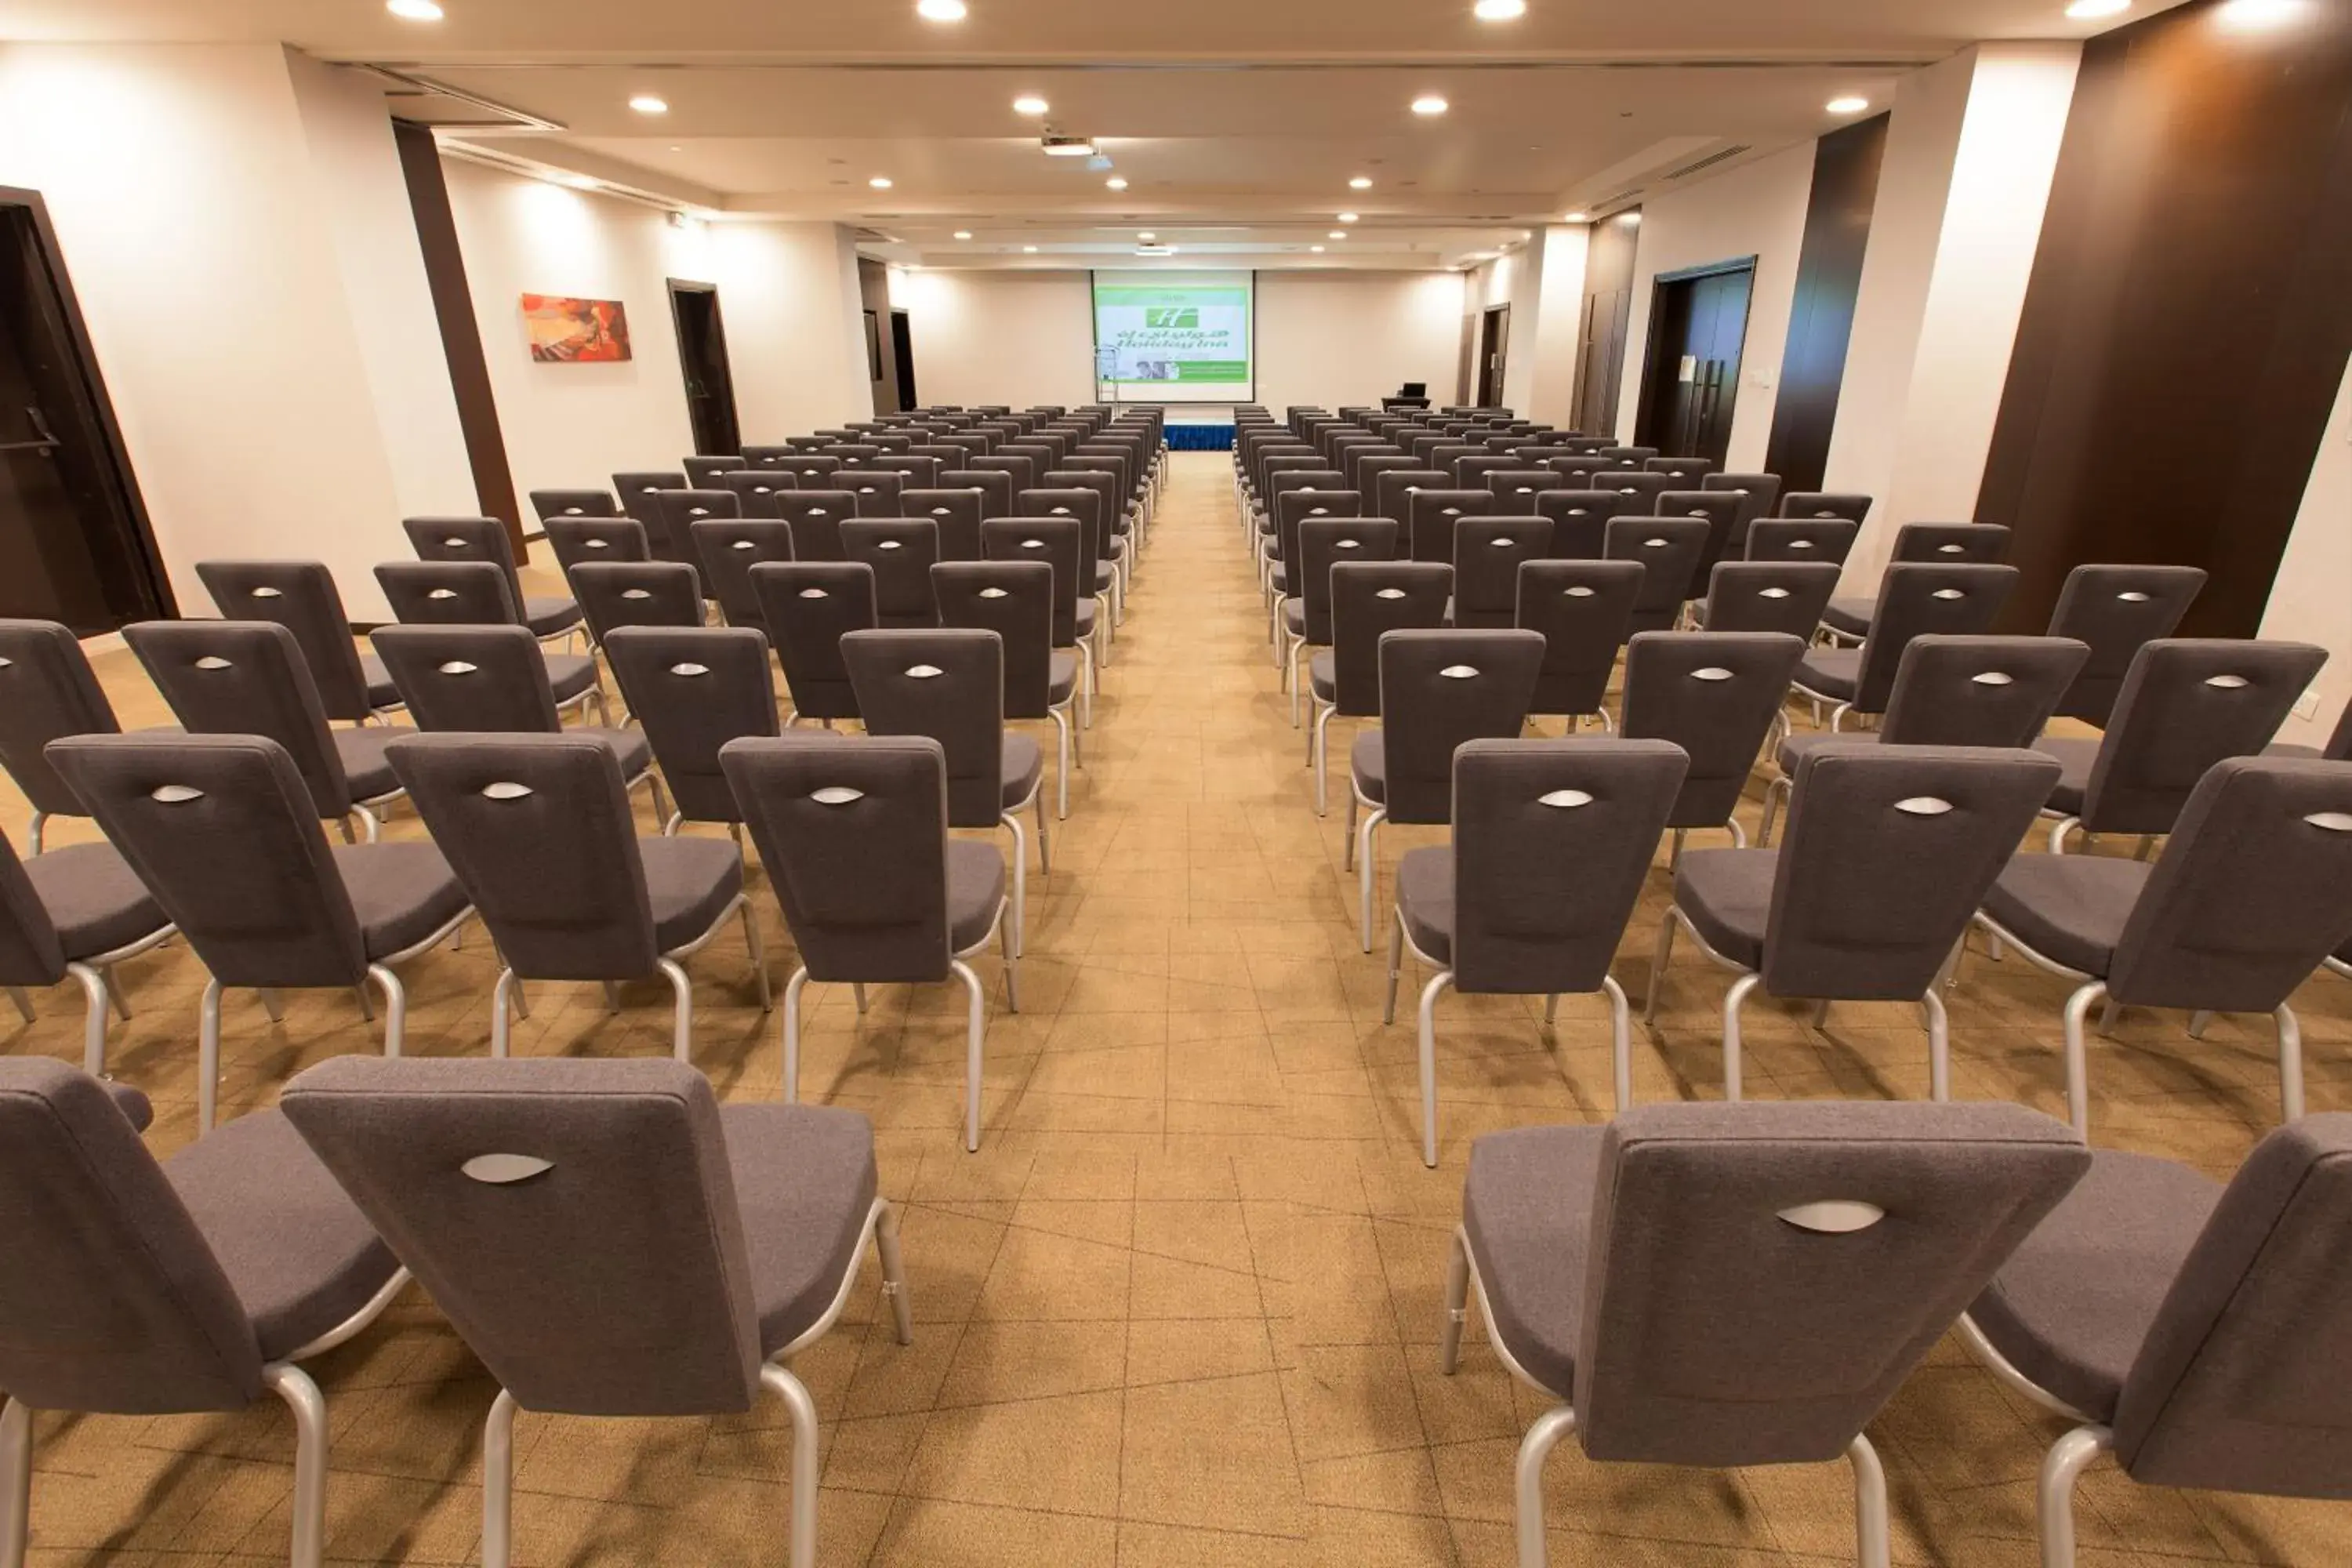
939	10
1430	103
1028	250
2083	9
1147	234
963	234
1499	10
413	10
1847	105
2248	15
1315	248
1346	217
1030	104
880	181
1574	217
646	103
1360	182
1337	233
1116	182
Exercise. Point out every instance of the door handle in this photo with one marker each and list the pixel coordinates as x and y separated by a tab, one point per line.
44	441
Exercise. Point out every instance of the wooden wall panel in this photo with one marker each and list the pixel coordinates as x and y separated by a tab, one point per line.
1607	320
1821	321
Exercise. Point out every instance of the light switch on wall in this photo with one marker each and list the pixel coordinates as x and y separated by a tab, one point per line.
2307	705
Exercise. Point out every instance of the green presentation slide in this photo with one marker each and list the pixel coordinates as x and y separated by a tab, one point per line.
1174	337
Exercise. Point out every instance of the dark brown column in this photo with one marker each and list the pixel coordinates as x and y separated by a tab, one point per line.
1821	321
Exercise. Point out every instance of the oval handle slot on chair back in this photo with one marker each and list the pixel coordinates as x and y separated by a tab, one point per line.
1772	593
690	668
1923	805
1993	678
455	667
2331	821
2132	596
1833	1216
1947	594
174	795
1460	672
836	795
1711	672
267	593
1564	797
924	672
2226	682
212	661
504	1170
505	791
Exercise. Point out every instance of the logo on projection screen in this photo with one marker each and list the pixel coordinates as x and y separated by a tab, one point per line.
1185	317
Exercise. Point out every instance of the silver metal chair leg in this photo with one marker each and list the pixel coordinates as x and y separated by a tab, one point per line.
1940	1047
1534	1449
1457	1304
759	956
1874	1540
1322	757
1012	966
302	1395
1733	1000
2290	1055
1045	831
371	825
272	1004
1062	770
36	830
1666	950
974	1043
343	823
396	1007
15	1482
1429	994
1367	872
682	1012
503	996
2198	1021
1396	966
1020	883
1775	791
894	1274
1621	1041
93	1022
497	1483
208	1042
2078	1086
2109	1011
858	994
793	989
2061	1468
795	1395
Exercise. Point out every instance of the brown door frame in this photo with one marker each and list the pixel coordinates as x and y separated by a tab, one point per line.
1652	364
677	288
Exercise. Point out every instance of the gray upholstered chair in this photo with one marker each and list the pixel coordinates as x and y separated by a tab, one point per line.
1986	690
994	488
900	551
2190	1329
1827	539
1720	512
756	490
301	596
855	839
77	912
1324	542
1552	841
1957	600
816	517
475	593
1842	911
220	829
876	489
2253	892
705	472
1758	493
1286	583
1368	600
1433	514
615	594
640	492
552	504
485	538
139	1287
46	690
806	608
916	472
248	678
1641	489
1852	507
1735	1286
949	684
809	470
611	1241
728	548
1715	695
694	689
538	829
2185	704
1584	609
1061	543
1109	530
670	528
1515	489
1487	555
577	540
1014	599
1688	472
1437	689
1669	550
1767	596
2116	610
955	512
1923	544
489	680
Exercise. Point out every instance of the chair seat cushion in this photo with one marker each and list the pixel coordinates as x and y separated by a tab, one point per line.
1294	617
1424	892
1025	765
804	1182
2071	1305
547	616
1527	1208
1368	762
570	674
1323	676
976	891
1279	579
689	881
1085	619
2074	759
365	768
95	899
298	1254
1061	679
630	747
401	894
1851	616
382	694
1727	893
2070	909
1832	671
1796	748
1105	576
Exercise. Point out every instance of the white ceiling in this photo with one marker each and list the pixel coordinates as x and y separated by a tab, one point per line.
1238	123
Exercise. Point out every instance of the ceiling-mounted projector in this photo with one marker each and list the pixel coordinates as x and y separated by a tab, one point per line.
1067	146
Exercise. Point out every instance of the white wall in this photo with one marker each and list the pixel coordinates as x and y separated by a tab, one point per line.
247	286
1339	337
1550	351
796	330
1016	338
1758	209
2311	601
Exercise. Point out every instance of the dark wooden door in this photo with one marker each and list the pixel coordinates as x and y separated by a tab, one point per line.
1698	326
1608	320
1494	341
702	359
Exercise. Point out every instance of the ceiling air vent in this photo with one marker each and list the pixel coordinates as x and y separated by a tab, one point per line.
1709	162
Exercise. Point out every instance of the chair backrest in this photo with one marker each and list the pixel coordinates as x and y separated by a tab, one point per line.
538	829
2253	888
916	471
816	517
1434	515
1321	496
1721	511
728	548
995	489
1438	688
1584	610
810	471
301	596
1109	500
46	690
1515	489
575	1221
1365	466
877	489
638	490
671	529
900	549
247	677
222	831
1576	469
855	840
1471	470
1487	555
1758	494
1552	841
615	594
1014	599
1957	600
694	689
552	504
1396	489
955	513
705	472
806	607
1951	542
1826	539
1085	506
576	540
2234	1387
2185	704
1689	471
1368	600
1769	595
1327	541
1056	541
1580	521
1643	486
756	490
1762	1278
480	680
1819	504
947	684
448	594
1983	691
856	456
2116	610
768	457
1669	550
1017	466
30	951
1852	915
1715	694
112	1300
464	539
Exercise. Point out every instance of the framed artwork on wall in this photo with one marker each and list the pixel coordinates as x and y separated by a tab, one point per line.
565	330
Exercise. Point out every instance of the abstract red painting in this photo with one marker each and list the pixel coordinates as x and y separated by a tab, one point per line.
575	332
